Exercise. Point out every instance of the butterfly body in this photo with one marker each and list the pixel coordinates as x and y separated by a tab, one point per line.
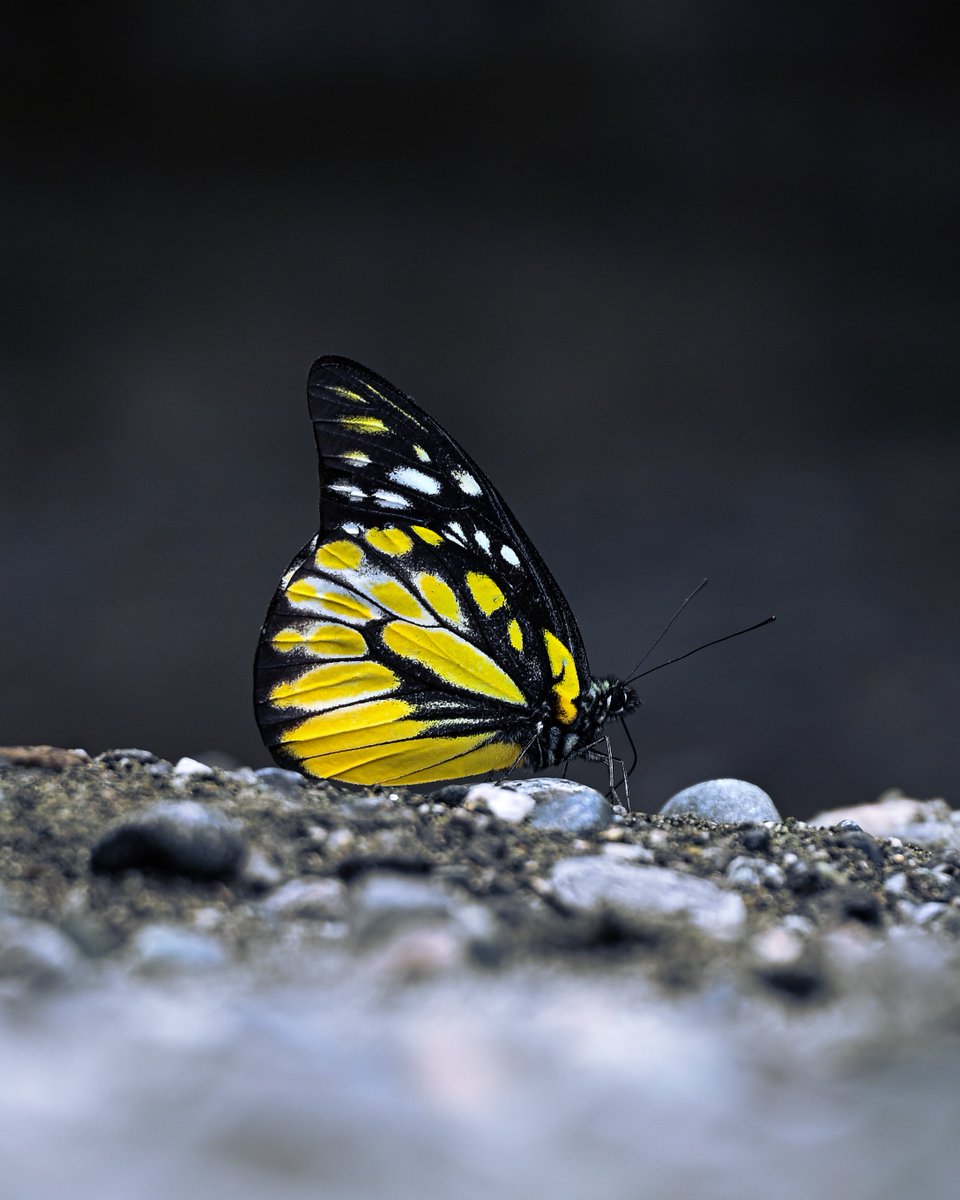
419	635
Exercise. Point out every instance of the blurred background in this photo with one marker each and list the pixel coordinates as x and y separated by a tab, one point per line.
681	277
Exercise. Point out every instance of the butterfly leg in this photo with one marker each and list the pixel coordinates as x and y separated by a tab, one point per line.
592	754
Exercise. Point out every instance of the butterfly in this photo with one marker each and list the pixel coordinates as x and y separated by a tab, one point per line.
419	635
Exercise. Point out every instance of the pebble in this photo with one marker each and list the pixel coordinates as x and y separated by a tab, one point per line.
746	872
35	953
505	804
595	883
383	900
310	899
726	801
159	949
180	837
191	768
930	823
629	852
259	873
281	780
564	806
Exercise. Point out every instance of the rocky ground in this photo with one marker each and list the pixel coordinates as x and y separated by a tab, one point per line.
235	983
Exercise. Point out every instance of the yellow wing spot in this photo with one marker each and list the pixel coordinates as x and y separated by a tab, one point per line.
324	641
485	592
415	760
339	556
356	456
453	659
421	453
430	536
441	598
566	686
389	540
355	725
333	684
397	599
331	602
515	634
346	394
301	591
364	424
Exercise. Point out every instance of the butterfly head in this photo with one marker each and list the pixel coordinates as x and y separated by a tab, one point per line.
618	698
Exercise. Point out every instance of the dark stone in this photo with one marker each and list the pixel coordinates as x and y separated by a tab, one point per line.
861	905
855	839
174	838
800	878
452	794
756	839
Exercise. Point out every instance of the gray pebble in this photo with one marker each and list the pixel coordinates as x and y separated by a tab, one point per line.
180	837
726	801
596	883
383	900
288	782
159	949
746	872
576	809
35	953
311	899
259	873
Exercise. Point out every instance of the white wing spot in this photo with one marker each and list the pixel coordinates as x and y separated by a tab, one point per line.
456	533
421	454
348	490
510	555
351	528
482	541
420	481
391	500
467	483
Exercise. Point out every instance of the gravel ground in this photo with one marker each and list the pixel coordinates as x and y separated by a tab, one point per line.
233	983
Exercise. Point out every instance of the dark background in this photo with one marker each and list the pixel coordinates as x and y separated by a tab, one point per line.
681	277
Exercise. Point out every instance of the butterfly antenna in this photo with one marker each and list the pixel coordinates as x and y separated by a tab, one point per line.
703	646
666	629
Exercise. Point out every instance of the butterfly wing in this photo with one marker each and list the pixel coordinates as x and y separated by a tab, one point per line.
419	635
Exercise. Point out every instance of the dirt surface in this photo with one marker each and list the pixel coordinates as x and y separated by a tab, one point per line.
410	964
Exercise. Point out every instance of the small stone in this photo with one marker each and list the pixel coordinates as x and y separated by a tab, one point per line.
160	949
926	914
384	900
756	839
338	840
629	852
175	838
452	794
777	946
571	810
726	801
259	873
309	899
595	883
244	775
505	804
896	884
931	885
746	872
855	838
925	822
191	768
281	780
35	953
46	758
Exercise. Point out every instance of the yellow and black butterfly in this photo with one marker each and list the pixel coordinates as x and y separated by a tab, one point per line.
419	635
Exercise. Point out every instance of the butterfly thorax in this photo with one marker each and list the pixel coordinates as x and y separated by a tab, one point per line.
555	742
